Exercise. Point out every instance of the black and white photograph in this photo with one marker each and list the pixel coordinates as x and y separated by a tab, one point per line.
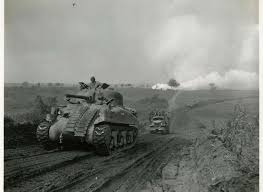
131	96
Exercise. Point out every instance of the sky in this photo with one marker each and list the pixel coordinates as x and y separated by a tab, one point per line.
131	41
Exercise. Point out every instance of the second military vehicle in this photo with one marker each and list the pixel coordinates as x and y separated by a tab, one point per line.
98	118
159	122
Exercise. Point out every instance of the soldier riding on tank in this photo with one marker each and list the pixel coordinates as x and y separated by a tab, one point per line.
93	83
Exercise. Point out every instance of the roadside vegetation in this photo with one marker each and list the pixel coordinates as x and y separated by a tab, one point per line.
20	128
225	157
222	158
233	161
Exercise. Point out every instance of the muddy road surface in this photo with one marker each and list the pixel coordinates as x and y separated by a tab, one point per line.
33	169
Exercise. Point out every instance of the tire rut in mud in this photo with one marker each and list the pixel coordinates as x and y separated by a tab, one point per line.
125	175
24	152
85	170
17	170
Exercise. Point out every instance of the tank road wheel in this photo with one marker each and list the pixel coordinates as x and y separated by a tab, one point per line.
102	139
42	135
120	140
112	143
114	137
128	139
124	135
135	133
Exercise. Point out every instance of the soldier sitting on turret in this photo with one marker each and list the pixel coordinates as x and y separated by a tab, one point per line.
93	90
93	83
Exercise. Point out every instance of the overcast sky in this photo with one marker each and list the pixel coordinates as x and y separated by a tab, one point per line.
128	40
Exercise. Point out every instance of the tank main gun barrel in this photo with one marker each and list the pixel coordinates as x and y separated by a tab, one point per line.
89	99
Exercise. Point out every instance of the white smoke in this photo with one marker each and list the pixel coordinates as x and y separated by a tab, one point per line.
233	79
249	51
172	102
216	43
162	86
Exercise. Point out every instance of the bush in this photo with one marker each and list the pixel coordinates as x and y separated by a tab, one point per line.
242	137
173	83
51	101
226	158
17	134
20	128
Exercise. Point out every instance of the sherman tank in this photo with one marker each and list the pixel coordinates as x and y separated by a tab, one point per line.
97	118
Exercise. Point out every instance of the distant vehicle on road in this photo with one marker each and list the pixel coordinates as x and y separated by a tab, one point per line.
159	122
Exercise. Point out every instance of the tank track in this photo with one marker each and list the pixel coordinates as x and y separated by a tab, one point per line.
42	135
102	138
74	119
84	122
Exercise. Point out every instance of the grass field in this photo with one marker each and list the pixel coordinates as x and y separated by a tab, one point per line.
19	103
18	100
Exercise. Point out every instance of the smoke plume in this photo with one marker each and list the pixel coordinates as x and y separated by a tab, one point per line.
172	102
233	79
209	42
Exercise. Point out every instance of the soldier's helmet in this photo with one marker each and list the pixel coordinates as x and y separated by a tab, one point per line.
92	79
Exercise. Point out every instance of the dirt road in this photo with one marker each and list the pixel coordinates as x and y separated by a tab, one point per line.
32	169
